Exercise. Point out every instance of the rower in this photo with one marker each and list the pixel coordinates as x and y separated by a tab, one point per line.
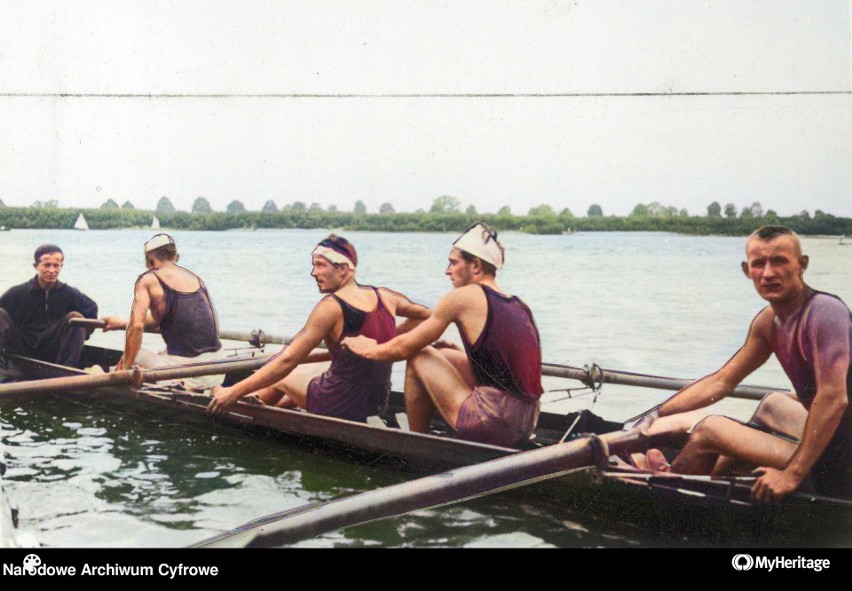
175	301
352	388
35	316
789	437
490	392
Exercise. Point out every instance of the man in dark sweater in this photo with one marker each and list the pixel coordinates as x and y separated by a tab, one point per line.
34	316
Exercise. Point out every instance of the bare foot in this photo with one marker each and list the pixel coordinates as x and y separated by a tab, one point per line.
657	462
638	460
286	402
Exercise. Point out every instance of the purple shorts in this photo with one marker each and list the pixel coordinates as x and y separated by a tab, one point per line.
493	416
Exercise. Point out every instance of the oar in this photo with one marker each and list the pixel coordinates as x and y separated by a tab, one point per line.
626	378
585	375
135	376
255	337
516	470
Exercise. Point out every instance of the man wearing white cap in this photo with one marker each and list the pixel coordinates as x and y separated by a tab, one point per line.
488	393
175	301
353	388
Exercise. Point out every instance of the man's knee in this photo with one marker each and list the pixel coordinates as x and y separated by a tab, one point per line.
421	358
709	431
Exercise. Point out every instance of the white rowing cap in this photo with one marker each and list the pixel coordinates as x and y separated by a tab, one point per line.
481	242
158	240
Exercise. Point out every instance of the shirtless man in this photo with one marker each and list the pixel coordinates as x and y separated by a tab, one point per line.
353	388
175	301
488	393
809	332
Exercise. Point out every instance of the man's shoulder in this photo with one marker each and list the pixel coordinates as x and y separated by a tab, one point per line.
18	289
830	303
826	311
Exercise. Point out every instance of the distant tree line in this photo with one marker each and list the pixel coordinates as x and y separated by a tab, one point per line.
444	215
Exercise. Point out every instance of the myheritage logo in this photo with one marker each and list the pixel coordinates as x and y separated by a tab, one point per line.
31	563
770	563
742	562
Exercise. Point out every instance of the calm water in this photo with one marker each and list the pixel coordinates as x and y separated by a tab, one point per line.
651	303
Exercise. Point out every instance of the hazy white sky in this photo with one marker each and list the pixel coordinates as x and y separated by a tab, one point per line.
241	100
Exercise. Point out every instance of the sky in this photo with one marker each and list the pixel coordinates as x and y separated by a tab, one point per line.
493	102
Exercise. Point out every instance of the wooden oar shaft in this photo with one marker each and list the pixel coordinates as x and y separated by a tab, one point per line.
231	335
464	483
115	378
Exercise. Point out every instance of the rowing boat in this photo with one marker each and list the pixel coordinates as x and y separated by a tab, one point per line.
716	511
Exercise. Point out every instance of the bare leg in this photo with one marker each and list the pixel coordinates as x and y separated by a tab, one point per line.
292	391
295	385
433	382
781	413
778	412
720	436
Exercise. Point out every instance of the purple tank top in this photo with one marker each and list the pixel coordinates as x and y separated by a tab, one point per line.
822	327
188	324
354	388
507	355
378	324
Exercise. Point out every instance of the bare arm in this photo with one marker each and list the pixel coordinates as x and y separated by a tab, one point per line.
407	344
136	325
710	389
413	313
319	325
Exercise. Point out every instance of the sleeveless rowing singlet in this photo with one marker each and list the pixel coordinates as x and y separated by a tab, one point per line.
354	388
507	355
188	325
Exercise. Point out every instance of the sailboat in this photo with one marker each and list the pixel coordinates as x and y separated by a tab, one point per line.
81	224
155	223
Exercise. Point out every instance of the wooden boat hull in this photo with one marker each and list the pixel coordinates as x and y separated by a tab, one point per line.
697	508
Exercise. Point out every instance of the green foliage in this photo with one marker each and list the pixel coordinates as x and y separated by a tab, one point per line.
315	207
541	210
445	204
471	210
640	211
127	205
714	210
730	210
504	210
360	207
235	206
386	208
164	205
595	211
269	207
548	223
201	205
109	204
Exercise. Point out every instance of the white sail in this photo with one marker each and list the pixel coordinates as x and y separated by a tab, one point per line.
81	224
155	223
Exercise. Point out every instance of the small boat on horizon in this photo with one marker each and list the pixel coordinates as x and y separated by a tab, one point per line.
155	223
81	224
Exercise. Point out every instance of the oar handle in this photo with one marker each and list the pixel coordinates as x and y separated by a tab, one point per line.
87	322
134	376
